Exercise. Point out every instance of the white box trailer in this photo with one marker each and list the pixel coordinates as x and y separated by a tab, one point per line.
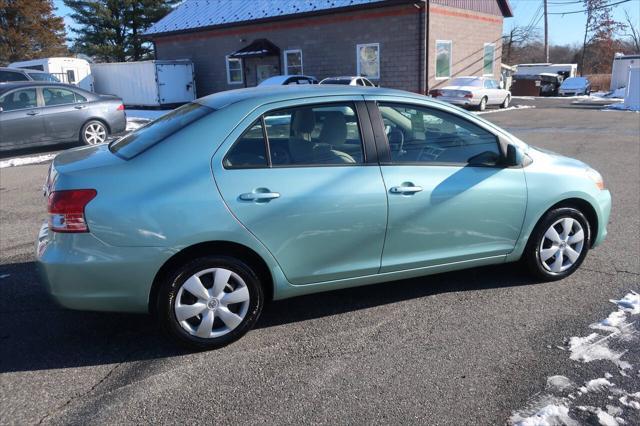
68	70
146	83
620	70
566	70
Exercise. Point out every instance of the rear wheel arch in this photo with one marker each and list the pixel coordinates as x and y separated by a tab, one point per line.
224	248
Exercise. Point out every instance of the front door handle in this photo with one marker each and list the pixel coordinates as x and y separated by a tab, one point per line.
260	195
405	188
32	113
79	107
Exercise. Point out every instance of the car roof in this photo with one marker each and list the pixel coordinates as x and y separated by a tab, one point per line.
261	95
10	85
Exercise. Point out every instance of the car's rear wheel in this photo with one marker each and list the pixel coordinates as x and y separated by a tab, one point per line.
558	244
94	132
506	101
483	104
210	302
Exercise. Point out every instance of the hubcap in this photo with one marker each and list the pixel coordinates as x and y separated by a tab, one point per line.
211	303
561	245
95	133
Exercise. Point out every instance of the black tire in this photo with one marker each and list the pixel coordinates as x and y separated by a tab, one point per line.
483	104
170	286
93	124
531	255
505	103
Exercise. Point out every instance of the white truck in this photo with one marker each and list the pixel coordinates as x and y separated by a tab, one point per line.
565	70
146	83
68	70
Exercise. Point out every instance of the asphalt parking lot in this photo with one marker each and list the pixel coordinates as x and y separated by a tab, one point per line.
469	347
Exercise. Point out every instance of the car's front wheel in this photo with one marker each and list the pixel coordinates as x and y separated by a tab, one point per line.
210	302
558	244
93	132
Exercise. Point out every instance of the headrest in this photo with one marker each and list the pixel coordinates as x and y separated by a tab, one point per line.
303	121
334	129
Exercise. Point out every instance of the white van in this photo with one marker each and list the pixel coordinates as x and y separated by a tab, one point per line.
68	70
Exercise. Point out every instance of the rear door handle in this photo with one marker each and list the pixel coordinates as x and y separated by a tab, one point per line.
32	113
79	107
405	188
259	196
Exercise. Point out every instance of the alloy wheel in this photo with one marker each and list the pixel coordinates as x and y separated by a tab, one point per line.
211	303
95	133
561	245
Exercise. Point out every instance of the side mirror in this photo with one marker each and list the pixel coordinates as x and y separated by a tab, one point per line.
514	156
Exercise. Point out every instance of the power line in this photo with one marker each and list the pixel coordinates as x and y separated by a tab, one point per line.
587	10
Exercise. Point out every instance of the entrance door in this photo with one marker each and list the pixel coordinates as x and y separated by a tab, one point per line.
264	72
311	198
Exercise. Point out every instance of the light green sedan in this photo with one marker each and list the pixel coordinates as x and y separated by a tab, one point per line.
269	193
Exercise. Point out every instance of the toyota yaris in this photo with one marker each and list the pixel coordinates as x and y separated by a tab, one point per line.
268	193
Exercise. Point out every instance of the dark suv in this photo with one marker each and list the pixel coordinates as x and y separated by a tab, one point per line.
19	74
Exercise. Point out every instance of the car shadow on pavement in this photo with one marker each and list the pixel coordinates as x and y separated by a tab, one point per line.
36	334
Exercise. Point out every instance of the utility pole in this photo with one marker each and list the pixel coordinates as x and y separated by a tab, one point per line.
546	32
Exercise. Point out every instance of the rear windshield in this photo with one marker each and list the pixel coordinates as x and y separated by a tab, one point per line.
473	82
155	132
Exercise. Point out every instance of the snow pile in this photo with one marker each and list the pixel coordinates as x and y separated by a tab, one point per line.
23	161
511	108
622	107
560	404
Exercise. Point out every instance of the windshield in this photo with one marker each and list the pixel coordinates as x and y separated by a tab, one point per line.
335	81
155	132
574	82
473	82
43	76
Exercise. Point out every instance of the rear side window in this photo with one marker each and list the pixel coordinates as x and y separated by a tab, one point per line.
19	99
56	96
250	151
12	76
155	132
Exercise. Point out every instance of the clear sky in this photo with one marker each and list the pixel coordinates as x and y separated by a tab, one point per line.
563	29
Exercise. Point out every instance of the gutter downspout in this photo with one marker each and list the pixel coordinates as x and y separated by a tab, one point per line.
425	45
423	35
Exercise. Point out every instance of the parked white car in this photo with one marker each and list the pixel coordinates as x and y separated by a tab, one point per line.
473	92
284	80
348	80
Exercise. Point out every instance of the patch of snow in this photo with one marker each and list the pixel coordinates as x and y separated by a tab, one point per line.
596	385
559	383
594	347
622	107
149	114
629	303
606	419
511	108
23	161
548	415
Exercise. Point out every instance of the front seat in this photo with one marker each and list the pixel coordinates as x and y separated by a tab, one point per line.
300	146
333	134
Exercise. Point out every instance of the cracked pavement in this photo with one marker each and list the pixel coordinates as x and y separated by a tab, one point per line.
456	348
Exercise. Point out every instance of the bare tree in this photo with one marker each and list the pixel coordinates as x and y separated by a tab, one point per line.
515	39
633	32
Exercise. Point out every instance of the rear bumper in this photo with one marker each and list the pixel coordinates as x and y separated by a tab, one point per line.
117	122
81	272
459	101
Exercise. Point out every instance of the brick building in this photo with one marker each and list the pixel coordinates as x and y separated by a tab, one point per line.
413	45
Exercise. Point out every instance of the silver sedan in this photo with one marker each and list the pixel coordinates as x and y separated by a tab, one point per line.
44	113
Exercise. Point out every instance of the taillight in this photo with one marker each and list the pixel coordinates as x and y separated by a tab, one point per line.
66	210
468	95
435	93
120	107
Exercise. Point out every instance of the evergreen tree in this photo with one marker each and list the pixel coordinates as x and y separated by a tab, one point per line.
111	30
30	30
